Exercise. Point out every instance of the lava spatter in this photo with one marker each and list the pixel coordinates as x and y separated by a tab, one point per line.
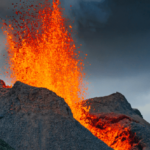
42	52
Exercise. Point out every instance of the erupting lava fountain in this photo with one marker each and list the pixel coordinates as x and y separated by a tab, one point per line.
42	53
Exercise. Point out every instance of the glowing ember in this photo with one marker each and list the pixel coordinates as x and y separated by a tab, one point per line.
43	54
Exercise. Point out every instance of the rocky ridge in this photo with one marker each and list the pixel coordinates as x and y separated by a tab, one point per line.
37	119
113	117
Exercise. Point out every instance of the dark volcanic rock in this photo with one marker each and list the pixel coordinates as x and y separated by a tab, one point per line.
37	119
5	146
137	112
114	111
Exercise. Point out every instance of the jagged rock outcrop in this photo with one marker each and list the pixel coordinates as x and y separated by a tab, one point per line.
117	122
37	119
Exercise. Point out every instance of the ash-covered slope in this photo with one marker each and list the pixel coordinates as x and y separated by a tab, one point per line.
37	119
117	122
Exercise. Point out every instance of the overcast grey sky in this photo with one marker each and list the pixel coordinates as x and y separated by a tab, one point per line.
116	36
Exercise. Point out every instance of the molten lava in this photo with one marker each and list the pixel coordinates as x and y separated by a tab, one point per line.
42	53
111	129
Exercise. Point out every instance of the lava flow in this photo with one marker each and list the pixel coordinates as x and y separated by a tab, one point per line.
112	129
42	53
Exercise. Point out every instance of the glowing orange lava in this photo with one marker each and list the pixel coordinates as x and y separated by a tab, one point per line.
111	130
42	53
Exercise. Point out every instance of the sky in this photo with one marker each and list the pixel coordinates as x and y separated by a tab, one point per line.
116	36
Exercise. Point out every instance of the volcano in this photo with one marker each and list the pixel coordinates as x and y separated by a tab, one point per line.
36	118
45	106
